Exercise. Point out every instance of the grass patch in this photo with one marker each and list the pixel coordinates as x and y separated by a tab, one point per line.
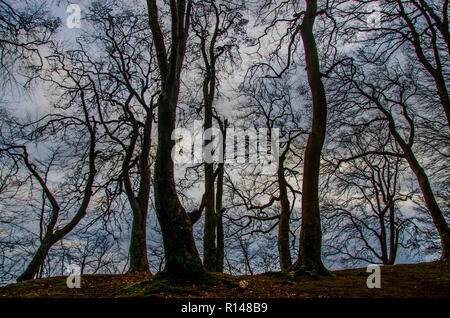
161	285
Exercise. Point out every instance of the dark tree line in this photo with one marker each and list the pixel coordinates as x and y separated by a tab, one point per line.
362	108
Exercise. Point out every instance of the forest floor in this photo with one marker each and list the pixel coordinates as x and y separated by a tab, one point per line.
399	281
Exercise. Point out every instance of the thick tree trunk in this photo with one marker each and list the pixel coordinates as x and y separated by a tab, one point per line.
311	233
181	256
182	262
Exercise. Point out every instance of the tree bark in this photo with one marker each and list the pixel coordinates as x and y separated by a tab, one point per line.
37	261
311	233
393	235
182	262
220	245
283	222
220	249
138	245
210	227
181	256
139	204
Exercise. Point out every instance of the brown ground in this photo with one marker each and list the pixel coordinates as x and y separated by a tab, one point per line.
400	281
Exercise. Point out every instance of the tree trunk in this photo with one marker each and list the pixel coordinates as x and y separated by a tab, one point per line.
52	236
283	223
432	205
37	261
425	186
311	233
181	256
220	245
138	244
182	262
220	249
393	236
383	240
139	204
209	231
422	178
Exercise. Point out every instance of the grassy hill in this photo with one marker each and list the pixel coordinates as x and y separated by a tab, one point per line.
405	280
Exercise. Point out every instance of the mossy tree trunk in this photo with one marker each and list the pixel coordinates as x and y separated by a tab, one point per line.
181	256
182	262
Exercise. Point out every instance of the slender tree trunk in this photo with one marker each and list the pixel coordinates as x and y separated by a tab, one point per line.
210	227
311	233
220	250
422	178
138	244
37	261
430	201
52	236
283	222
383	240
220	245
393	236
182	262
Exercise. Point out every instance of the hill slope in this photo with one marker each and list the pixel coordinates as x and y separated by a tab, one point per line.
405	280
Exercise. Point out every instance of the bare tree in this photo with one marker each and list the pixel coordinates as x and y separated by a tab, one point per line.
368	224
320	59
217	26
80	120
270	105
127	84
416	29
24	29
391	95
